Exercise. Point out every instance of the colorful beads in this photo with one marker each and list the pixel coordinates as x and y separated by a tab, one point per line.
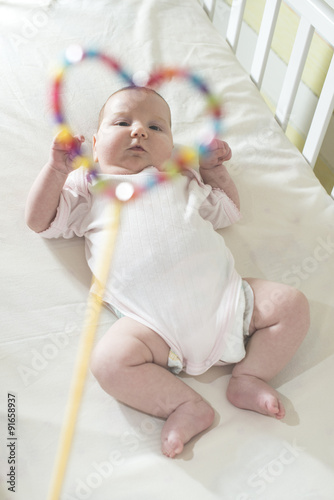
185	157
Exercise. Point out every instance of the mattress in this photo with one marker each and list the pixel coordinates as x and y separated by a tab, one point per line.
286	234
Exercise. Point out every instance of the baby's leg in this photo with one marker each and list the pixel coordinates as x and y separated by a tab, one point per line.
130	364
279	324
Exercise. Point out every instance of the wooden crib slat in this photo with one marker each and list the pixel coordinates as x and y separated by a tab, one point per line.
234	23
294	72
263	44
321	118
209	7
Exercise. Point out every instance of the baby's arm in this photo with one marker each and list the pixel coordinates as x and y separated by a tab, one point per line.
43	198
214	173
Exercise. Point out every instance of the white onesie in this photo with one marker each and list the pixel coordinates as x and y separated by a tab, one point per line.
171	270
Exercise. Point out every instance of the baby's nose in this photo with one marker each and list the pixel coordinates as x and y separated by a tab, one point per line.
139	131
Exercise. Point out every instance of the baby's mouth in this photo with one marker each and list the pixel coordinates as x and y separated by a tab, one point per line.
137	147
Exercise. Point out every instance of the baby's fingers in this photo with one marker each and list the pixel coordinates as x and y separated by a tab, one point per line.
220	149
64	141
79	139
76	144
65	148
225	153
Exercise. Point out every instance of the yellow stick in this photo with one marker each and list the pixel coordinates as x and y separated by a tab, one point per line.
80	372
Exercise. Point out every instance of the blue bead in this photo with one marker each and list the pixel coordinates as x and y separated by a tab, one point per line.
126	77
199	83
91	53
150	183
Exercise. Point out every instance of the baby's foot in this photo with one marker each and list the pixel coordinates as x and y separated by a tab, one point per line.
251	393
188	420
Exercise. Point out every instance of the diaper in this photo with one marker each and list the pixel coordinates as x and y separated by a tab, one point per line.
115	311
236	340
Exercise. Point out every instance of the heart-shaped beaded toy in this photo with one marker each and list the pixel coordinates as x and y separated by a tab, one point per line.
185	156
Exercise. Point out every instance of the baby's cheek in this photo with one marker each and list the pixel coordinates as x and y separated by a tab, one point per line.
107	145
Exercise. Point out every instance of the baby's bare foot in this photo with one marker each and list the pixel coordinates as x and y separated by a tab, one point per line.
188	420
251	393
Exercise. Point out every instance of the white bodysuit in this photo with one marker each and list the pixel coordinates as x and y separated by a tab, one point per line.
171	270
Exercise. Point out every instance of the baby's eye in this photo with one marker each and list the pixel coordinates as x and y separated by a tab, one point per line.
122	124
155	127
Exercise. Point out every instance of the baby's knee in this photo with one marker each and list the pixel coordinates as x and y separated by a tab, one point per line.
116	352
104	362
298	309
99	363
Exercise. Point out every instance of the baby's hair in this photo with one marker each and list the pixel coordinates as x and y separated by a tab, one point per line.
145	89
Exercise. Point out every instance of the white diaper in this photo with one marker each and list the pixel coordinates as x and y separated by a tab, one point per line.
234	350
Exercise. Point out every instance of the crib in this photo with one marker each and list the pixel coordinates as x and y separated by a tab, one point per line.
314	16
286	234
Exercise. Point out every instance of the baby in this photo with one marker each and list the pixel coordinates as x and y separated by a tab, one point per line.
180	302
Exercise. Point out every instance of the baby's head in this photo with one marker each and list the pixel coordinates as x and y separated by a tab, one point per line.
134	132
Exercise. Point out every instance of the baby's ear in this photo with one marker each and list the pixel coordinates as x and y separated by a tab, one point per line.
94	149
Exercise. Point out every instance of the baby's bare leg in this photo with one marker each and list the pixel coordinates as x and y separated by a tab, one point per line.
279	324
130	364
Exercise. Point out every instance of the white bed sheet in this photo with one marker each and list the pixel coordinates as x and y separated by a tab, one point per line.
286	234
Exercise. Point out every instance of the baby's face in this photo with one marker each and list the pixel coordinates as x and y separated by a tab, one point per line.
135	133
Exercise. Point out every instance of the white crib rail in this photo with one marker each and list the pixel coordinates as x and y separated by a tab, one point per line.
264	40
294	72
321	118
315	15
209	7
234	25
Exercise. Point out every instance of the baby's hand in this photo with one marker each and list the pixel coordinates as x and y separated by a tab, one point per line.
64	151
218	152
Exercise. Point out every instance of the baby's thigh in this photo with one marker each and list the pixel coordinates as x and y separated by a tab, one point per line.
274	303
130	343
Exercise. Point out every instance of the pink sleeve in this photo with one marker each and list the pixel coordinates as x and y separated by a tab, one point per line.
73	209
217	207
